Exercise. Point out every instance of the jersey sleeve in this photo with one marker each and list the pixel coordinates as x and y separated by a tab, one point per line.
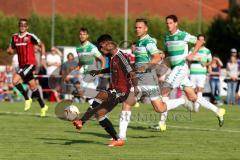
12	44
35	39
96	52
125	64
190	38
152	48
209	56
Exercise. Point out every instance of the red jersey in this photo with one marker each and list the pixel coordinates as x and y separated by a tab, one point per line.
24	45
119	73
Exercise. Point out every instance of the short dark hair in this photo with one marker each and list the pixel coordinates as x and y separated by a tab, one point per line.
201	35
142	20
104	37
22	20
70	54
83	29
173	17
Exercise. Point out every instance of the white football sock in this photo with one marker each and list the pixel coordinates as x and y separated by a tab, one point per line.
174	103
123	123
196	104
206	104
163	117
188	104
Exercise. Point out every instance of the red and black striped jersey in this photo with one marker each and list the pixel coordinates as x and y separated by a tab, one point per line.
24	45
119	73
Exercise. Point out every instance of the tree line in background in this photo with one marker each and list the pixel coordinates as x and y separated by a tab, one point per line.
222	34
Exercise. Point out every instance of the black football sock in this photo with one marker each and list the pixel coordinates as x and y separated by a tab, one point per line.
36	94
91	110
107	125
22	91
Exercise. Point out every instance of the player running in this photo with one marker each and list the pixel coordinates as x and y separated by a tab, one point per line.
23	43
176	46
198	69
121	74
147	55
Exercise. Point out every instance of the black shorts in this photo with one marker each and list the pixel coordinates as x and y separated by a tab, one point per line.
114	99
26	72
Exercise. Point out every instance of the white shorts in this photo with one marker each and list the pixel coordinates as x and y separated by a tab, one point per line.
198	80
179	77
151	91
90	85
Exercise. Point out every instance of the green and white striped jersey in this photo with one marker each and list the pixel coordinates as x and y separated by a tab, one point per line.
176	45
87	53
145	48
196	67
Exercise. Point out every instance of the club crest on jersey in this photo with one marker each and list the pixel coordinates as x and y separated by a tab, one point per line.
25	39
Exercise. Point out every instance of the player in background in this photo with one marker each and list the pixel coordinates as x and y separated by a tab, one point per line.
23	43
198	69
176	46
87	54
121	74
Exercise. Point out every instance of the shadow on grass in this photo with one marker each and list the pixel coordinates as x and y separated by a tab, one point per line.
91	133
142	137
68	141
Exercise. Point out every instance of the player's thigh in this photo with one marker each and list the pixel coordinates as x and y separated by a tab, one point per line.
190	93
177	75
194	80
102	95
201	82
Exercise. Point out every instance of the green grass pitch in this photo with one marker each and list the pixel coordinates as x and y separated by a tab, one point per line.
26	136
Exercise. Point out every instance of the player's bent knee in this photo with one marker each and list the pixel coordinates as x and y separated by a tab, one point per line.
126	106
192	98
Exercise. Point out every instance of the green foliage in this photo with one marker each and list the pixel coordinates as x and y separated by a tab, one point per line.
67	28
224	34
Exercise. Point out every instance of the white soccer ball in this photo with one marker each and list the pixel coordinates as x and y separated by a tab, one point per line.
71	112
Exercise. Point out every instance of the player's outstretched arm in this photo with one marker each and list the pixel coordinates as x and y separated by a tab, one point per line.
197	46
155	59
96	72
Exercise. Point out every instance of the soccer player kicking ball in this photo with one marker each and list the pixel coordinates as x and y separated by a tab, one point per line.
176	46
23	42
120	74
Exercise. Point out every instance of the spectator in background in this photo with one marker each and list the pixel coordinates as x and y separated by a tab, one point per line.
71	75
233	52
214	70
69	66
232	77
53	61
2	86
